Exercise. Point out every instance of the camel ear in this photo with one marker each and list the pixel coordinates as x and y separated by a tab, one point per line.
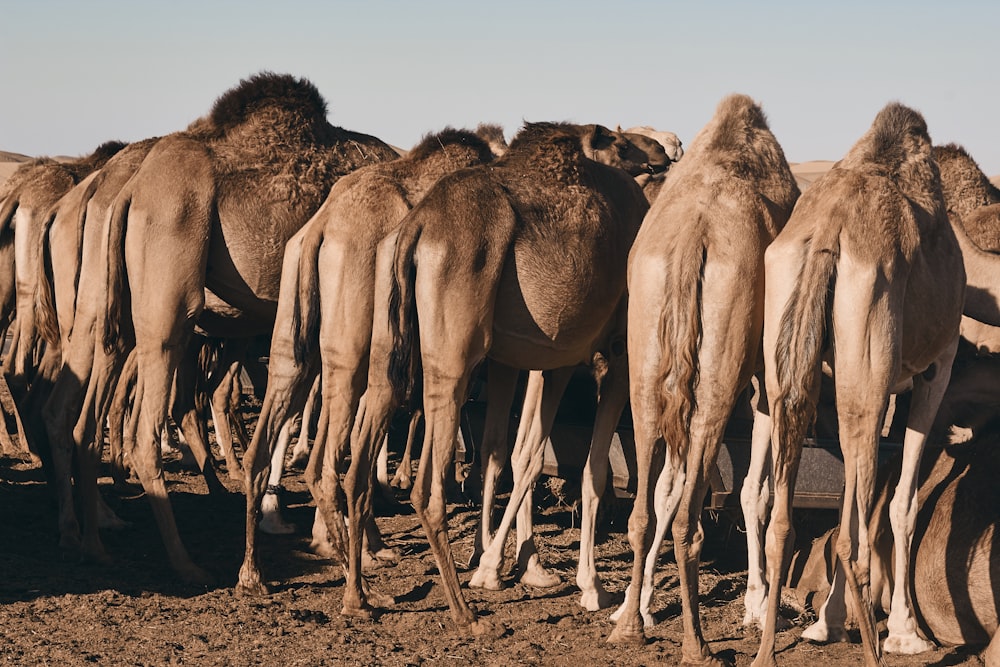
601	138
618	128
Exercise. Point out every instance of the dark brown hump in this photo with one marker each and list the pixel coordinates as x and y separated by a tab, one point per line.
449	136
265	89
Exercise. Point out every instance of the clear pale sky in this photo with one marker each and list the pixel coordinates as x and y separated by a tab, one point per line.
76	73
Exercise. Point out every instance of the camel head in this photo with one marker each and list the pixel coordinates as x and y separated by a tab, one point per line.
670	141
615	149
493	135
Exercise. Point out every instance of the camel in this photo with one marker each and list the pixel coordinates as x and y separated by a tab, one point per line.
326	306
696	298
870	250
28	198
220	200
974	204
954	586
26	201
967	191
489	263
670	142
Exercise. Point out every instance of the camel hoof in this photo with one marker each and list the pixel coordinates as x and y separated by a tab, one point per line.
401	481
627	637
364	611
482	628
274	524
820	633
707	661
387	555
192	574
375	559
255	589
485	578
596	600
539	577
906	644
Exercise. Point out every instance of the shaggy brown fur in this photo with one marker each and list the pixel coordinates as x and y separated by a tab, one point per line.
869	253
489	263
220	201
696	293
327	301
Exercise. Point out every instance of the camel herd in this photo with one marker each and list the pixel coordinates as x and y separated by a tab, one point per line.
143	279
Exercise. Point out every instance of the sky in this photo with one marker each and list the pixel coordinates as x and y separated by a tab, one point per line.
75	74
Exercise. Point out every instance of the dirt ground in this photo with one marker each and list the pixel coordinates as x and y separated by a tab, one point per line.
56	610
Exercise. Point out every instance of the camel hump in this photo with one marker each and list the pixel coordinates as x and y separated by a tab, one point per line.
438	142
897	135
267	89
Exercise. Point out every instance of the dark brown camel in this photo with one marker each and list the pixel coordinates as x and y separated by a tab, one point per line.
490	263
867	276
326	306
219	200
696	299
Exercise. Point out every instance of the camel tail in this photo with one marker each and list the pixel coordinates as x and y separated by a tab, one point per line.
117	224
403	313
46	318
306	309
799	345
680	336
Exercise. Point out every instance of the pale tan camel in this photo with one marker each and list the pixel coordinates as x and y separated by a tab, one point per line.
489	262
326	306
869	250
28	200
970	400
696	299
69	417
220	200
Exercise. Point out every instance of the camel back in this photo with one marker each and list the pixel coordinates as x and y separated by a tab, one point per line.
733	178
366	193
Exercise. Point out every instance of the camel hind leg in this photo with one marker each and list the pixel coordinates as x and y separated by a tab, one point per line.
612	397
928	390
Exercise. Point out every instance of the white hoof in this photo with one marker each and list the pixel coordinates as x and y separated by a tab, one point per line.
910	644
820	633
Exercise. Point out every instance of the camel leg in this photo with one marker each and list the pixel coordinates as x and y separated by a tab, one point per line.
185	414
156	369
271	521
867	360
612	396
89	441
372	423
404	473
541	399
666	498
755	498
529	568
300	453
121	403
832	615
493	449
222	408
283	396
928	390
